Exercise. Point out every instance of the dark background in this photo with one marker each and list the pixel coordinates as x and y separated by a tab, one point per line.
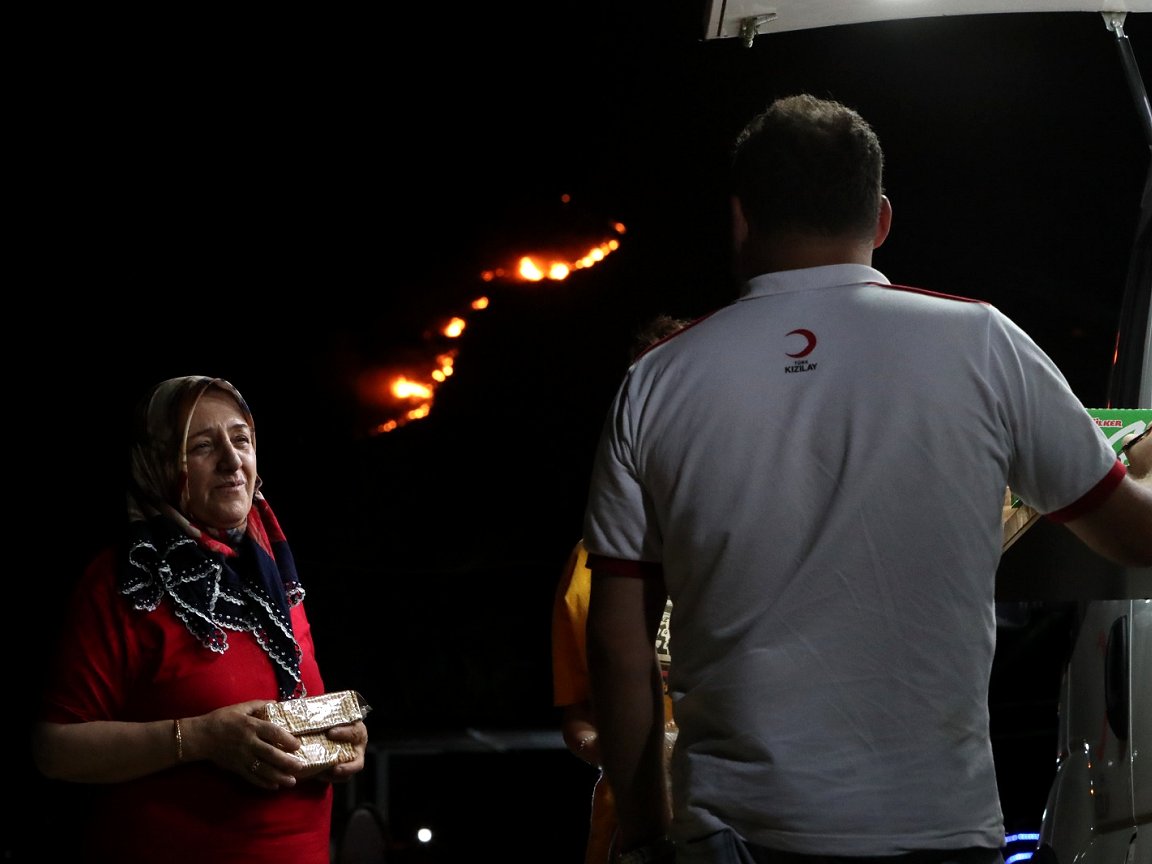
292	202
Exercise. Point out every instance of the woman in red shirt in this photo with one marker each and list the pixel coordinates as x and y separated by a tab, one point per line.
177	638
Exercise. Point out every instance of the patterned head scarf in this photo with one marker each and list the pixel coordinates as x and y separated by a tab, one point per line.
158	459
240	581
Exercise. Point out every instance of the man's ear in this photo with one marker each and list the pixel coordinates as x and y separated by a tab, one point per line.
884	223
739	224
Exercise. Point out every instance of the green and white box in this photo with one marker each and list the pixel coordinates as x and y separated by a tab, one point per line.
1115	424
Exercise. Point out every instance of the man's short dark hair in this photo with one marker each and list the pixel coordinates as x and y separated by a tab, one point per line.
809	165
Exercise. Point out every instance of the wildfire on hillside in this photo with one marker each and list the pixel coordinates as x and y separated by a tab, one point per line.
407	394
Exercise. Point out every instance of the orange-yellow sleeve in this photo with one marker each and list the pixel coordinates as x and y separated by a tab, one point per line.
569	619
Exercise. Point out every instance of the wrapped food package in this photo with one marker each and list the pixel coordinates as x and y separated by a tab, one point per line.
309	717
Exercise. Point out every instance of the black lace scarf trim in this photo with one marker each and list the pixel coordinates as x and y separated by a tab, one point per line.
213	593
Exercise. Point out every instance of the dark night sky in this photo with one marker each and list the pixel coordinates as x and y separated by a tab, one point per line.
289	202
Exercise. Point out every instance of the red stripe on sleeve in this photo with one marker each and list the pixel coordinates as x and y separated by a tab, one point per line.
603	565
1094	497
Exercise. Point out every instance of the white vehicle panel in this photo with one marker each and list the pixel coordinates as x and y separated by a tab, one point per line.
727	18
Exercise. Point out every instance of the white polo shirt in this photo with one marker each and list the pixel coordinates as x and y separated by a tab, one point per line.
820	468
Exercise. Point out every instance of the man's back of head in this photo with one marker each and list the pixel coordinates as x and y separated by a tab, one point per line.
806	168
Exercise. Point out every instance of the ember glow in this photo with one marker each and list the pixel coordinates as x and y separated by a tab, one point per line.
538	267
407	394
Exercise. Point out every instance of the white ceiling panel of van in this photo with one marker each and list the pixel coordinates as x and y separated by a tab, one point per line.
749	18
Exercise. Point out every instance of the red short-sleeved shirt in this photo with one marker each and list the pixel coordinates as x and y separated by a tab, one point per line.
120	663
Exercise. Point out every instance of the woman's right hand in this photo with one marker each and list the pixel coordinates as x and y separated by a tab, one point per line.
236	738
239	739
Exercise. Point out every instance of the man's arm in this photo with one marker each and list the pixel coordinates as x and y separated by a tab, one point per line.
627	602
1120	529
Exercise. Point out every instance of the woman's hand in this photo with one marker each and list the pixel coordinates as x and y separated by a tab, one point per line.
238	739
356	734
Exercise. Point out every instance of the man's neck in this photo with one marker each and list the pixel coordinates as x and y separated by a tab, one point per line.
797	251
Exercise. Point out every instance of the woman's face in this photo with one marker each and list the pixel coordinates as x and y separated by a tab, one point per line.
221	457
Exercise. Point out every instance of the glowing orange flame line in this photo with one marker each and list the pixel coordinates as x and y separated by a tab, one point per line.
529	269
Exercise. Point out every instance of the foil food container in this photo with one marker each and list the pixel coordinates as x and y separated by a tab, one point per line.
310	717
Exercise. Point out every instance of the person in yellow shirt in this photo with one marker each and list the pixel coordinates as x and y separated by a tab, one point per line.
571	695
570	667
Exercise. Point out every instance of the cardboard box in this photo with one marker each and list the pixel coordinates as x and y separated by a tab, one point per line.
1017	517
1115	424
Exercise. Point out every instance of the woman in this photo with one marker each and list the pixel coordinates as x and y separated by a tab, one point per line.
177	639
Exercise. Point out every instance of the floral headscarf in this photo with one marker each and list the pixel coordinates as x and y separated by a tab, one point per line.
243	581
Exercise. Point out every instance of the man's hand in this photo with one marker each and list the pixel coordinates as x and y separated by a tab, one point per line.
1138	449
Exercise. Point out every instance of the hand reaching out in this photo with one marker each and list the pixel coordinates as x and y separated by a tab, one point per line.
1138	449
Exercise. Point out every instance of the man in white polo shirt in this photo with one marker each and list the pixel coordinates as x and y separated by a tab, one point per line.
815	474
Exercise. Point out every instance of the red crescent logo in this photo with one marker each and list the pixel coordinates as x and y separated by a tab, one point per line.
807	334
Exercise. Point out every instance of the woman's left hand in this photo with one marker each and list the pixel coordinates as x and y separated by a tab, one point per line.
356	734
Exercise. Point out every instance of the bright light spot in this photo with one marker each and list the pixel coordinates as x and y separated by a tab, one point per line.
1028	839
454	328
424	835
480	303
1023	837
